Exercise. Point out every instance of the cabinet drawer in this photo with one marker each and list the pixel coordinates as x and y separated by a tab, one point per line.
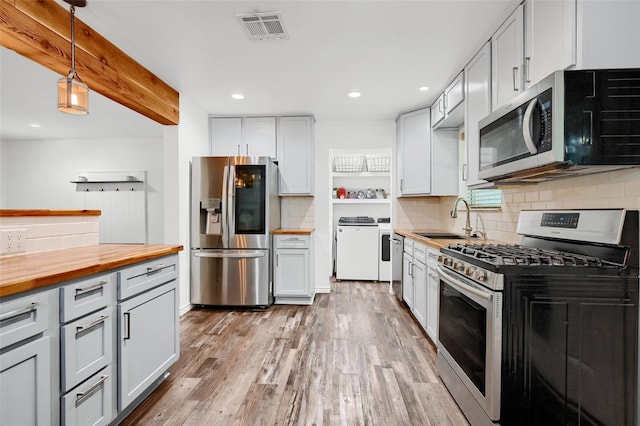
91	402
24	317
292	241
420	253
86	346
432	258
408	246
146	275
85	296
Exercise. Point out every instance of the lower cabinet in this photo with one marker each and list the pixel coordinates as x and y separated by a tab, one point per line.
420	285
433	295
27	391
148	332
25	384
293	275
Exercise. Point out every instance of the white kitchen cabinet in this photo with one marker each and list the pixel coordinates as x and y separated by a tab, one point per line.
148	334
452	99
419	271
477	105
414	153
252	136
295	148
427	159
225	135
26	367
407	279
293	271
259	136
507	45
25	384
437	110
433	295
550	38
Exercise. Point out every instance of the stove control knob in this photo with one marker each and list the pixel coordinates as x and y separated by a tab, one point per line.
469	270
447	261
458	266
481	275
440	258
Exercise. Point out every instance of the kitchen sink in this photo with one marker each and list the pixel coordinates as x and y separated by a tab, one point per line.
441	235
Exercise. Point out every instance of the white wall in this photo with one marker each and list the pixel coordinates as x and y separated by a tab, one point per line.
193	140
338	135
36	174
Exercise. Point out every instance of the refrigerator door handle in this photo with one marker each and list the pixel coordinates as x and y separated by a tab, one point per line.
231	253
230	187
225	207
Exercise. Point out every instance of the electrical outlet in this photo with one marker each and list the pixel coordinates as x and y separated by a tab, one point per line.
13	240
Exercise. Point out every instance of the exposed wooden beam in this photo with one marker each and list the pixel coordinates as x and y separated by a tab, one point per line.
41	31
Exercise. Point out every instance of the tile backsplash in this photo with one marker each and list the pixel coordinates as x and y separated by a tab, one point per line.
297	212
617	189
45	233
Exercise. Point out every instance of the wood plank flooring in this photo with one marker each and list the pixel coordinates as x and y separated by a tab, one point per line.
355	357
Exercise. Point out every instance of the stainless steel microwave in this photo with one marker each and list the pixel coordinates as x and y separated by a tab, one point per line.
571	122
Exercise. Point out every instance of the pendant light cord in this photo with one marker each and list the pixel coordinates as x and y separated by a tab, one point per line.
73	41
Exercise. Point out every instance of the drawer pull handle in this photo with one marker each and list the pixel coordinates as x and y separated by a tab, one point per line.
81	290
17	312
127	329
80	396
81	328
152	269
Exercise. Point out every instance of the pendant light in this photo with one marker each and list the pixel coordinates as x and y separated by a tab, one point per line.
73	94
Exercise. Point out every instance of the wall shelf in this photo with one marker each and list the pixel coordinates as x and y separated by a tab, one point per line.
361	174
361	201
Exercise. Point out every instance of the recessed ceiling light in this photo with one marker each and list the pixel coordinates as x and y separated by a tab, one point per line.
423	88
36	125
237	96
354	94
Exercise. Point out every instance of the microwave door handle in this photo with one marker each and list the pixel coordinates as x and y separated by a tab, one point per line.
526	127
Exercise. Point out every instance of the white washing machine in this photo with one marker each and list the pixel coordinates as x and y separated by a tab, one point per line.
357	252
384	251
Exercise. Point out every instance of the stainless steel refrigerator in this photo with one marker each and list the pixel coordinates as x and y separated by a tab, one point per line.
234	208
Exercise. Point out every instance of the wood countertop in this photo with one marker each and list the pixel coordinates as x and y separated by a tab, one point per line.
36	270
21	213
438	243
293	231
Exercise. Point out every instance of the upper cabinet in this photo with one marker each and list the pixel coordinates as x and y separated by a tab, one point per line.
477	106
507	45
295	155
251	136
414	153
427	160
550	38
447	111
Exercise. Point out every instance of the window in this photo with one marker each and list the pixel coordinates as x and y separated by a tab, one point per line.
483	198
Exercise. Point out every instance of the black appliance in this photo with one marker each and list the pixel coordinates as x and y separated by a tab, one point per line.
545	332
571	122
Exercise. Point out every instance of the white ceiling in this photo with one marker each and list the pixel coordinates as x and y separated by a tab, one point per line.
384	49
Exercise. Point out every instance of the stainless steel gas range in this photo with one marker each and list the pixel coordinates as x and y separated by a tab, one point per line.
545	332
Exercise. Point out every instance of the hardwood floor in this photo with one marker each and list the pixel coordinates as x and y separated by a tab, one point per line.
355	357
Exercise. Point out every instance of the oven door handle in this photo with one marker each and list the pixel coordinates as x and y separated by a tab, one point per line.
462	287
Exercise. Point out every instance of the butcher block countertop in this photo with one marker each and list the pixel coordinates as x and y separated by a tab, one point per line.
293	231
23	213
438	243
36	270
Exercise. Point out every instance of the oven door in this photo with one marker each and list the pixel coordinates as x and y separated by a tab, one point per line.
470	337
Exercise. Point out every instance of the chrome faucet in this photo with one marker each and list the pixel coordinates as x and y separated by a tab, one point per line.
454	214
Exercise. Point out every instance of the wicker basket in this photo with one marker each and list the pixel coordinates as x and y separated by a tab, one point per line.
378	163
348	163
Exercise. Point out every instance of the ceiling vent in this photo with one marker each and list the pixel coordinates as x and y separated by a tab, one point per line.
263	25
